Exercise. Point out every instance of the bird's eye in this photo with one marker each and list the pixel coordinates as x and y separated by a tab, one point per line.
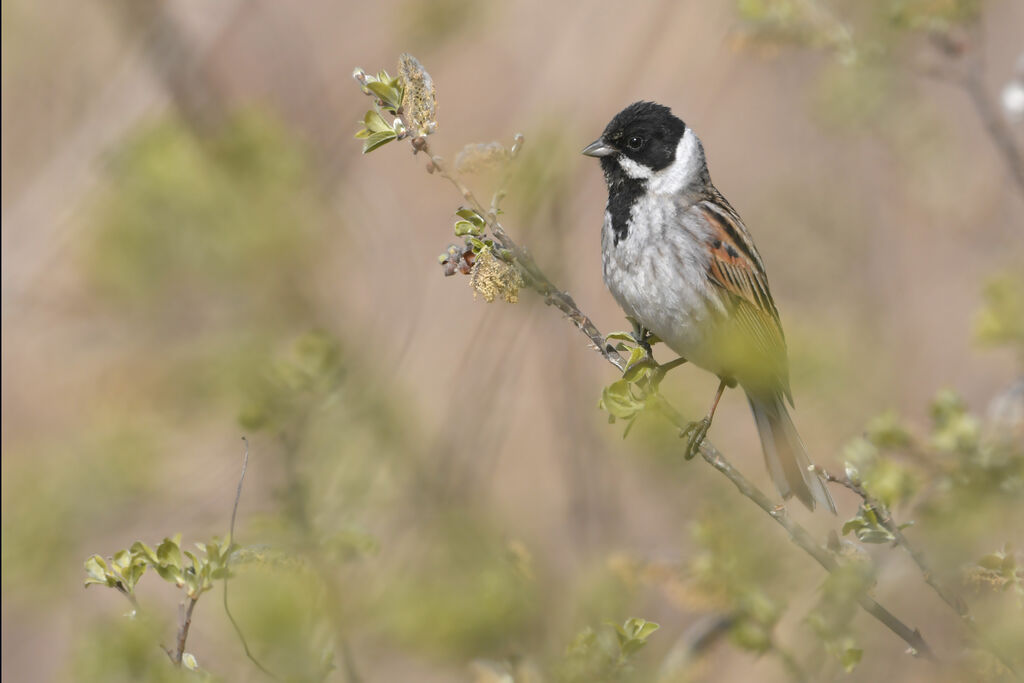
635	143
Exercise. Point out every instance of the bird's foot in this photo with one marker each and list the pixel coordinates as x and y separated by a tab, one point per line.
641	336
694	434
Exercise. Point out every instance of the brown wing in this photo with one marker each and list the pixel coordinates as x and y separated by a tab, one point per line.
736	267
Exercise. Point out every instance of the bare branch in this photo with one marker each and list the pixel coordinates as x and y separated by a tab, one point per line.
964	67
227	574
183	627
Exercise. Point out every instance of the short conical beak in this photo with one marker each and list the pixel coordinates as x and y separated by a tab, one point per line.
598	148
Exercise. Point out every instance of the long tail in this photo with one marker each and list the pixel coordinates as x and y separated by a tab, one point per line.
785	454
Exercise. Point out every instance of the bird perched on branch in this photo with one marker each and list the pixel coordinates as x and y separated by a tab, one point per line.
682	265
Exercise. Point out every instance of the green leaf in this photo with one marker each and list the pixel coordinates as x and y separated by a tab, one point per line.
192	584
387	94
169	574
133	575
193	559
97	571
122	559
471	216
853	525
638	365
140	549
375	123
363	133
993	561
874	536
621	336
617	398
643	628
168	553
376	140
463	228
851	658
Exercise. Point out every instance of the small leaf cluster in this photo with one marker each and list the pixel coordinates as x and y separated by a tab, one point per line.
470	223
387	91
628	397
890	481
409	98
606	654
183	568
869	526
1000	322
832	617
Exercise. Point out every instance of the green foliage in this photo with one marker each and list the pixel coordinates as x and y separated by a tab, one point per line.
61	489
408	97
606	654
472	223
191	219
627	398
183	568
468	598
831	619
734	570
119	650
1000	322
291	386
870	527
284	608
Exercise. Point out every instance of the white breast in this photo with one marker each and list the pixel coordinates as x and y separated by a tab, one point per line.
658	274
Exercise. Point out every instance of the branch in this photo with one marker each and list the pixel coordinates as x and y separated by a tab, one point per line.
131	597
970	77
183	627
797	534
227	574
884	517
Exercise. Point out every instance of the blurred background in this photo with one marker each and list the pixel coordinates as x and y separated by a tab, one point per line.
194	249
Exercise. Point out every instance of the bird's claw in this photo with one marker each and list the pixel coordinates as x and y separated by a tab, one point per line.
694	433
640	335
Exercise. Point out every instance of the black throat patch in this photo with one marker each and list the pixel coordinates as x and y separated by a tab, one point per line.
623	193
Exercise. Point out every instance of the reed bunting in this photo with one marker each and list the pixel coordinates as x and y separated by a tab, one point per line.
682	265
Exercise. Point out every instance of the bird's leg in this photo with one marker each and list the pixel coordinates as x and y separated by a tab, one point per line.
696	431
640	335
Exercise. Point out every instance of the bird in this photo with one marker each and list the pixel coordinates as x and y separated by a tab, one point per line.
683	266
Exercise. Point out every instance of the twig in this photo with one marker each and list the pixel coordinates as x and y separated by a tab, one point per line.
800	536
971	79
131	597
227	574
884	517
789	663
532	274
183	627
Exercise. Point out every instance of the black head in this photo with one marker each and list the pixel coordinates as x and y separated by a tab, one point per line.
644	132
